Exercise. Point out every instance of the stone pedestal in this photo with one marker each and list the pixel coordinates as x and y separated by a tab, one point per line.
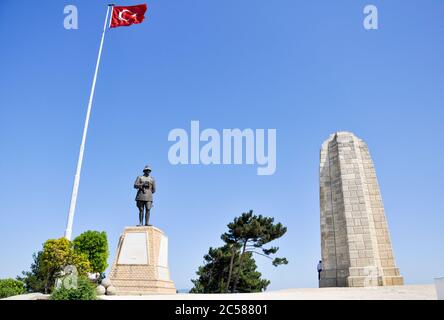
141	263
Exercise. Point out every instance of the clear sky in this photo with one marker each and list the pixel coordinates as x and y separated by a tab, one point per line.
306	68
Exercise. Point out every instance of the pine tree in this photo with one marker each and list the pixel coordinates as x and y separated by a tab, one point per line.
233	266
213	274
251	233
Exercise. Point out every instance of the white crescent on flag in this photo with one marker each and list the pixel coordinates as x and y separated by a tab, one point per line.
126	10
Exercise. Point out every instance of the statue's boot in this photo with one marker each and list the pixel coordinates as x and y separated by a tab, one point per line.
147	218
140	218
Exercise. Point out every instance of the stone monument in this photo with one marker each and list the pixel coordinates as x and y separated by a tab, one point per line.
355	240
141	262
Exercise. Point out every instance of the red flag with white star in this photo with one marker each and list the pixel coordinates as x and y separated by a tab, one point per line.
127	15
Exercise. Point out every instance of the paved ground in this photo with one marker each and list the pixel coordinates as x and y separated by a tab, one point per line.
29	296
408	292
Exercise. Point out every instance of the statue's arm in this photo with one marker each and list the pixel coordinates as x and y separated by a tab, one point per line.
137	184
154	186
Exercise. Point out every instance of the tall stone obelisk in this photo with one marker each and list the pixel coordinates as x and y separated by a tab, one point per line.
355	240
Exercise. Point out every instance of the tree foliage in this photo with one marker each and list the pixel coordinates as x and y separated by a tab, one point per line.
213	274
58	253
48	263
35	279
252	232
88	253
233	266
94	245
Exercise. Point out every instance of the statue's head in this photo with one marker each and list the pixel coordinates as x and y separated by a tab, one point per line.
147	170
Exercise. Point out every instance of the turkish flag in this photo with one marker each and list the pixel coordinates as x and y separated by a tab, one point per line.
126	16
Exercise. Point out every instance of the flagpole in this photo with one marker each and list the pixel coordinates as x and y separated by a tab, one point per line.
75	187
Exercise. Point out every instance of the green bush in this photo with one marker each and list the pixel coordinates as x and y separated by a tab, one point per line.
11	287
85	291
88	253
94	245
48	264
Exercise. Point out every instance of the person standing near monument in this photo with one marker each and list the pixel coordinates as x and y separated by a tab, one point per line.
320	267
146	186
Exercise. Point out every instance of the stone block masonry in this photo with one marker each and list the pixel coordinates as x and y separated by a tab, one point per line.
355	240
141	263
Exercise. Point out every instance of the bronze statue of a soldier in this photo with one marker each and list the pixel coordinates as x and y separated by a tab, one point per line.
146	186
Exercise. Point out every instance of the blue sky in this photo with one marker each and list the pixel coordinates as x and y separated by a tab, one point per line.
306	68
